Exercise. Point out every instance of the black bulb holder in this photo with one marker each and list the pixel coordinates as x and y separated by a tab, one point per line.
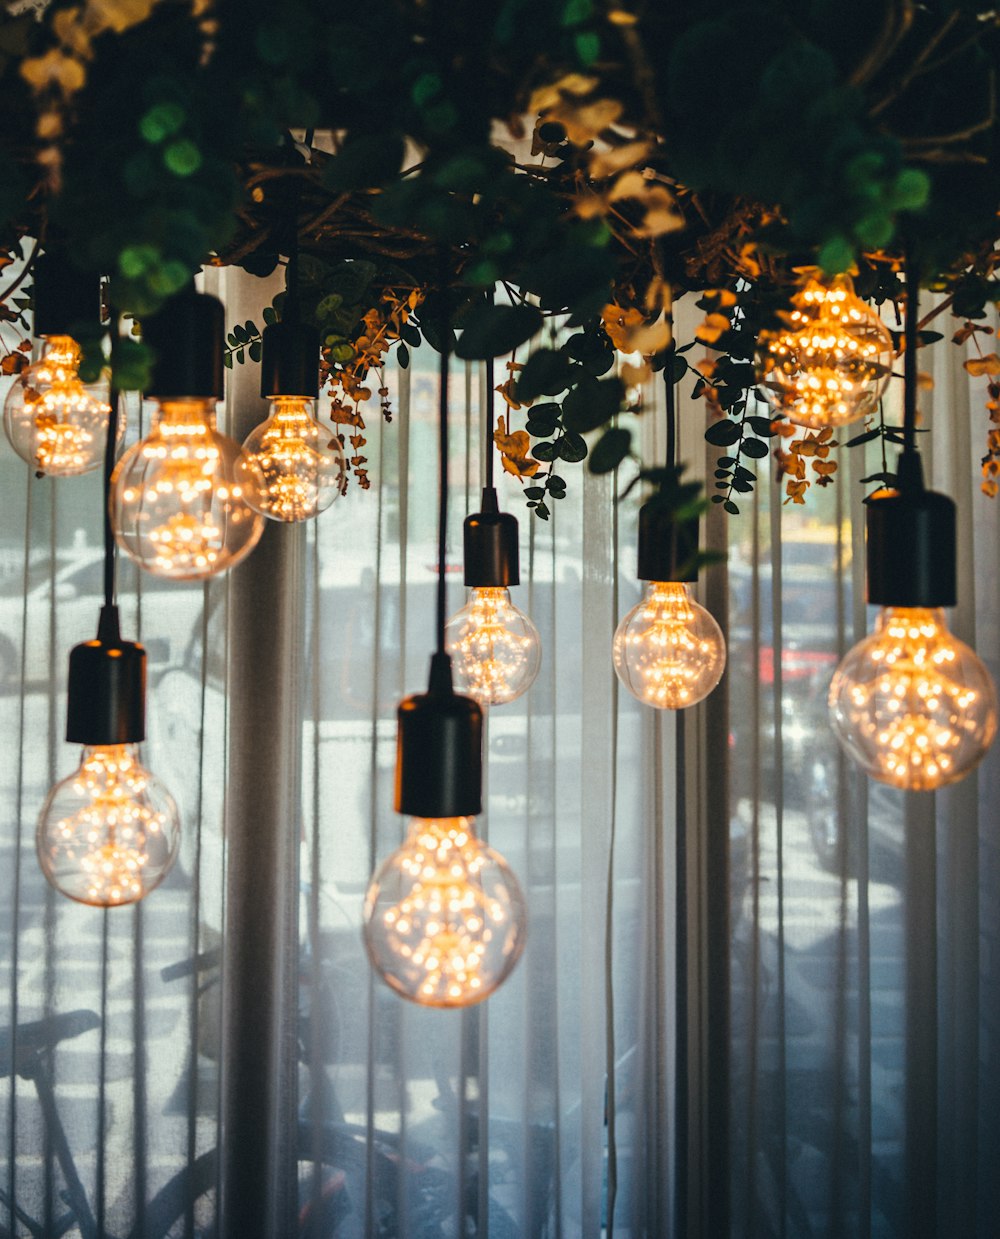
65	298
106	702
491	546
668	548
911	542
289	362
186	336
439	750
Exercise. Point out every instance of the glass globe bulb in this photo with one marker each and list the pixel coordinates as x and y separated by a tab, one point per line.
180	497
831	363
55	421
913	705
444	919
302	465
108	834
669	651
495	649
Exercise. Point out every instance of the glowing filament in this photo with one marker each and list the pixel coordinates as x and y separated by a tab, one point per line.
831	362
668	651
302	465
494	647
912	703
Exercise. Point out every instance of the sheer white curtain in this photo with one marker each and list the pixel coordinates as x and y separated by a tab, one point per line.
864	922
240	1039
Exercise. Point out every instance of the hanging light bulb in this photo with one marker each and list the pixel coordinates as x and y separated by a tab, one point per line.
180	502
832	361
108	834
444	915
495	649
913	705
53	419
301	465
668	651
444	918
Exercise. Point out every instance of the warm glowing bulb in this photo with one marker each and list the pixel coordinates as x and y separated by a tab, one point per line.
108	834
832	361
180	502
302	465
444	920
912	704
55	421
495	649
668	651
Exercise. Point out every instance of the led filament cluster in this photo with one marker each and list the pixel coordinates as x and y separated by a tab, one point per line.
494	647
913	704
831	363
181	496
668	651
444	916
55	421
301	465
108	833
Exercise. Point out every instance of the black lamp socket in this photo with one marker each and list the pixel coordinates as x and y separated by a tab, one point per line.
289	363
106	701
186	336
439	751
667	547
490	538
911	543
64	297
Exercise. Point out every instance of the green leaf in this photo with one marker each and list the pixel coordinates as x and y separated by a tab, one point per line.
610	450
403	356
270	315
255	350
867	437
572	447
592	403
547	372
534	492
544	452
761	426
542	510
724	433
755	448
492	330
540	427
366	162
239	335
731	507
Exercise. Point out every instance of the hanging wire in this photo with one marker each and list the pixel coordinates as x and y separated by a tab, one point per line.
490	422
910	352
443	473
110	447
671	404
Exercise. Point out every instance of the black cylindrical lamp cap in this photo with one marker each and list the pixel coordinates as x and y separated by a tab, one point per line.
667	547
289	363
186	336
492	558
911	550
106	702
64	296
439	752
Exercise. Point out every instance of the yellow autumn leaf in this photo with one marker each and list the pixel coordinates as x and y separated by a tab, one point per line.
711	328
545	97
634	376
606	163
659	295
649	338
513	449
119	15
621	17
583	122
629	185
978	366
55	68
71	32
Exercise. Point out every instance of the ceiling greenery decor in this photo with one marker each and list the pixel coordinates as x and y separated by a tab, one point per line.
591	160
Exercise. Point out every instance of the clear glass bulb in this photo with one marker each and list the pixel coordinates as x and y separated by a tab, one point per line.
913	705
669	651
831	363
301	463
55	421
495	649
444	920
180	497
108	834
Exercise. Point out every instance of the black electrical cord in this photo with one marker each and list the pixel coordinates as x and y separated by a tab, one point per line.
443	474
668	381
910	353
490	447
109	467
